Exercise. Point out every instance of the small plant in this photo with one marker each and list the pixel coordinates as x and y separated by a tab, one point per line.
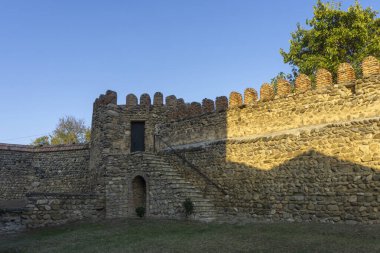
140	211
188	205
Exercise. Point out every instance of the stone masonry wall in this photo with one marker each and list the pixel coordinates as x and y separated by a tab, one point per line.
46	209
330	104
62	171
15	173
310	155
164	192
43	169
162	200
48	185
307	155
327	174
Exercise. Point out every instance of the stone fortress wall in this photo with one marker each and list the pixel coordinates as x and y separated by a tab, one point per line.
45	186
307	155
27	169
312	154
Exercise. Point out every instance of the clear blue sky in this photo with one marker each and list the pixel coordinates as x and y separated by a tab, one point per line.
56	57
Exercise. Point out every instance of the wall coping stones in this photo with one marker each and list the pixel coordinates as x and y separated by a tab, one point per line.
40	149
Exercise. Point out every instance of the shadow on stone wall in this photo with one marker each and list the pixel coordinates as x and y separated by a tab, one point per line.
309	187
310	155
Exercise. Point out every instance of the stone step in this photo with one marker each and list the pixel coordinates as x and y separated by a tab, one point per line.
205	209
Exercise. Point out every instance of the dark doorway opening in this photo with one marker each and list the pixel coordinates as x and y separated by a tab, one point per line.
137	136
139	192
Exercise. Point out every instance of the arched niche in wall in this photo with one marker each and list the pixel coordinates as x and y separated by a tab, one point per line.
138	198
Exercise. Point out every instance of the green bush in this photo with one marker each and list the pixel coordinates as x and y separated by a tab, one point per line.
140	211
188	205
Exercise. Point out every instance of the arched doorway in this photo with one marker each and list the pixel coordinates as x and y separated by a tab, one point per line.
138	193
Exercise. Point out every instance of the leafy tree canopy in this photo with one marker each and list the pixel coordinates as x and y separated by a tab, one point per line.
335	36
69	130
42	141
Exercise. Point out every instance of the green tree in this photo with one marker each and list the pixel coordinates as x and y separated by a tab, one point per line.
335	36
68	130
42	141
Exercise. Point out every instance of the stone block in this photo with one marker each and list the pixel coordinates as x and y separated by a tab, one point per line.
370	66
221	104
323	78
302	83
131	101
283	87
346	74
266	92
250	96
145	100
208	105
158	99
235	100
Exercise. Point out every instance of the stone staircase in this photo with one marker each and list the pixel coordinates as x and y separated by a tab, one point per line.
204	209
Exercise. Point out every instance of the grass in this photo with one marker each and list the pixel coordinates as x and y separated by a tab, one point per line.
134	235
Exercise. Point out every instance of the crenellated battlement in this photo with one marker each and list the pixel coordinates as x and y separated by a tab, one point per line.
177	109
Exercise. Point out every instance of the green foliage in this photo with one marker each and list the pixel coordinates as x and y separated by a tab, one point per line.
41	141
68	131
335	36
188	205
140	211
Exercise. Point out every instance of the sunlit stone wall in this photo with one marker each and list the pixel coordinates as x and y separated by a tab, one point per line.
312	155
